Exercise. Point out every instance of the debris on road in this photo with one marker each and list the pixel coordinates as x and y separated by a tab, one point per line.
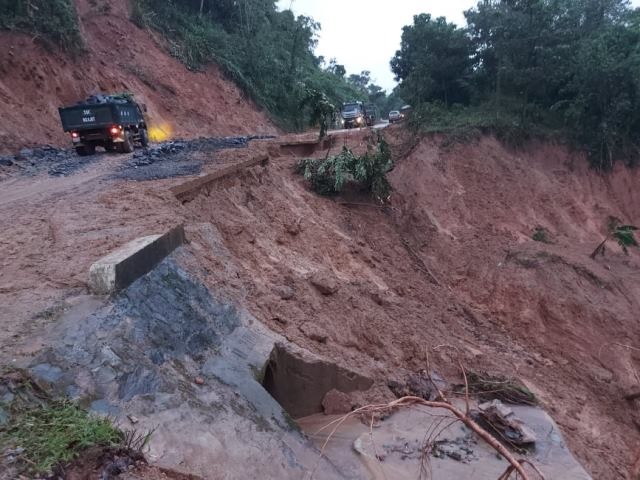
177	158
505	425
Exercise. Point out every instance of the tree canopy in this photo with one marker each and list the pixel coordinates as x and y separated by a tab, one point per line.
570	65
268	52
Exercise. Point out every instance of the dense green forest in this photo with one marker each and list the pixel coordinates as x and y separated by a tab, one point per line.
522	66
53	22
269	53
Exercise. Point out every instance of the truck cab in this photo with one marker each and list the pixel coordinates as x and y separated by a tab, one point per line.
114	122
352	115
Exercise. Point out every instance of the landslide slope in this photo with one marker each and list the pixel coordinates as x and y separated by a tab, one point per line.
35	81
451	267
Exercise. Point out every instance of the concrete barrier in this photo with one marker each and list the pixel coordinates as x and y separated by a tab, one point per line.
122	267
185	192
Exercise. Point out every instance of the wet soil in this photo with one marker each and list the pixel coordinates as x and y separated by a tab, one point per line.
36	80
448	271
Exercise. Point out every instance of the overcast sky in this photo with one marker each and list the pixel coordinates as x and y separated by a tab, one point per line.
384	19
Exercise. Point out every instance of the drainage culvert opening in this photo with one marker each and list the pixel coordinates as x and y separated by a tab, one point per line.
299	382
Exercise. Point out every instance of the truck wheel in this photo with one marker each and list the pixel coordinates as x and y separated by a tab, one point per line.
110	147
127	145
144	138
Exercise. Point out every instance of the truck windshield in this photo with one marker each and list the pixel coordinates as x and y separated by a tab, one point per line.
351	108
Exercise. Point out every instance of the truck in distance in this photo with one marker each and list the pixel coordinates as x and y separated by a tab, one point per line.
352	115
114	122
370	114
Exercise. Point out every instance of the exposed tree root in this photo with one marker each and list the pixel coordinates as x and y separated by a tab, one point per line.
515	465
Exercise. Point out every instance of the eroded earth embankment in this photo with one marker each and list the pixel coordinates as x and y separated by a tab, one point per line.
447	271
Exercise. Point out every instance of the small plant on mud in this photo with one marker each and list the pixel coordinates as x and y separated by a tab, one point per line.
623	234
540	234
56	433
328	176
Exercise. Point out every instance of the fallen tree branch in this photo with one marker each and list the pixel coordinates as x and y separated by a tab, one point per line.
516	465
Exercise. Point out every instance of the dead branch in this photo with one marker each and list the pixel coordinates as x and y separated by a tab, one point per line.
515	464
600	248
466	386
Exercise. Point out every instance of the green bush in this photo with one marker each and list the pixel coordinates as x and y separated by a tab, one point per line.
462	123
329	176
540	234
54	21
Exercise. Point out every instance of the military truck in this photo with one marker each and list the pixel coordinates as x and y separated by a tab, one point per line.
352	115
114	122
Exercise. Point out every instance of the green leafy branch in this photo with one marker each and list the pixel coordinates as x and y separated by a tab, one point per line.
623	234
329	176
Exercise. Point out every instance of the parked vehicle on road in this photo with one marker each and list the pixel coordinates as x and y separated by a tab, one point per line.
352	115
394	116
114	122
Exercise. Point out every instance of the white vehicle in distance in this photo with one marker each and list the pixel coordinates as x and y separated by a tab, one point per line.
395	116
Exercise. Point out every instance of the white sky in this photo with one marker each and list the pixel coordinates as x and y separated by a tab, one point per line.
382	19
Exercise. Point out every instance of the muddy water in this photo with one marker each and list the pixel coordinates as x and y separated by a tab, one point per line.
393	448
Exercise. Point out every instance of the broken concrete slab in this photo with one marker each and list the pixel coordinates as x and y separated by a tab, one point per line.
396	446
186	192
300	380
122	267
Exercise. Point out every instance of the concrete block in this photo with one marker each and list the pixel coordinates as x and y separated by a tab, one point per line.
122	267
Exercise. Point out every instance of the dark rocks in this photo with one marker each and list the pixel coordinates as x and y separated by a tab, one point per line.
139	382
419	384
125	349
175	158
325	282
4	416
505	424
24	154
460	449
58	162
46	372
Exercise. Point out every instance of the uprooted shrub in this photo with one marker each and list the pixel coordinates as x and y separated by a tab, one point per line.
329	176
